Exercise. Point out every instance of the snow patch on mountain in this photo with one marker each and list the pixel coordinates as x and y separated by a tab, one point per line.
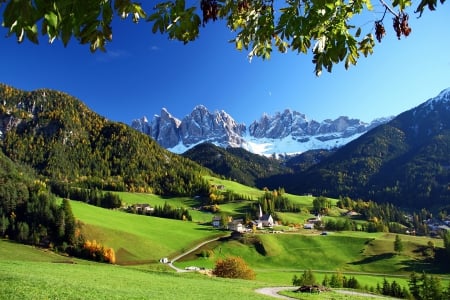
289	145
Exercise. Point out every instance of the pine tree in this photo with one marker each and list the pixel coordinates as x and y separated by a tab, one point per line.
446	238
425	291
398	244
326	281
435	288
386	288
4	224
69	222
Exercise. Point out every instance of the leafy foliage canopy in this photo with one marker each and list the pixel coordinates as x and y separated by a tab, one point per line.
324	27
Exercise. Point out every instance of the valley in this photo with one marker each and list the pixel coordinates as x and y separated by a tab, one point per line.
74	184
140	241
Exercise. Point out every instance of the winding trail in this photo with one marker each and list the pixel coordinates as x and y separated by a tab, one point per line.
189	252
274	290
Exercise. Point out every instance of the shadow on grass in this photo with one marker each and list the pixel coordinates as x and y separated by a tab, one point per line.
439	264
373	258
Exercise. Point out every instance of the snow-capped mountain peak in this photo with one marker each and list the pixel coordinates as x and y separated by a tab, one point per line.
283	133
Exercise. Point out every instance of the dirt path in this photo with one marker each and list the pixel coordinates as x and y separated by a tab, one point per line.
188	252
273	291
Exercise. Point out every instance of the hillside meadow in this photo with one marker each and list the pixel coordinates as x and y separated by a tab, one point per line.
140	241
30	273
276	258
235	208
137	238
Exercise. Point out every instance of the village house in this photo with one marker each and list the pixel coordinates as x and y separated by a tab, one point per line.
311	223
352	213
308	226
221	221
257	224
218	186
144	208
216	220
236	225
266	220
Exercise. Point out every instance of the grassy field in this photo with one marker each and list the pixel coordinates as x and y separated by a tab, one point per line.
136	238
29	273
252	193
277	257
32	273
140	241
332	295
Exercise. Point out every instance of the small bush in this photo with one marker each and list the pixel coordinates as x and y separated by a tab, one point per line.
233	267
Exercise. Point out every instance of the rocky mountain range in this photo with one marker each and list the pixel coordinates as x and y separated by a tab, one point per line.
284	132
405	161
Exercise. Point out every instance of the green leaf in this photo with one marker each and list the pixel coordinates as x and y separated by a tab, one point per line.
52	19
368	4
239	44
402	4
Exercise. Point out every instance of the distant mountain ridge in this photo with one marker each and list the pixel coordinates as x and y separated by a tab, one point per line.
284	132
405	161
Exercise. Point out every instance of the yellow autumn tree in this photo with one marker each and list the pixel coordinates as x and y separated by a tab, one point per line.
233	267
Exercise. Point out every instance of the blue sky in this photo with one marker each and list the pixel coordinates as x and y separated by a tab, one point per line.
143	72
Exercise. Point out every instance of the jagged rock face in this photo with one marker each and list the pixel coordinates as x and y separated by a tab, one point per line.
199	126
142	125
7	122
342	125
217	127
294	123
282	125
221	129
165	129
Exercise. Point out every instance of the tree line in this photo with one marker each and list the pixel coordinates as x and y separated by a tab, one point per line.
420	287
90	196
273	201
165	211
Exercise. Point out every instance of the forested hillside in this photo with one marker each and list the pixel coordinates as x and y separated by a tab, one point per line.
71	146
236	163
28	212
405	162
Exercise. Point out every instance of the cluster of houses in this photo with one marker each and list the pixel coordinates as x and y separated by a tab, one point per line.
239	225
313	222
263	221
142	208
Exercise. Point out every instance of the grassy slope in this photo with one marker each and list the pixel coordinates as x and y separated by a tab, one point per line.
348	252
155	200
145	239
137	238
29	273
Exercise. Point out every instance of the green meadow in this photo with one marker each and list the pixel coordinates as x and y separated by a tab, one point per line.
29	273
345	251
136	238
140	241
